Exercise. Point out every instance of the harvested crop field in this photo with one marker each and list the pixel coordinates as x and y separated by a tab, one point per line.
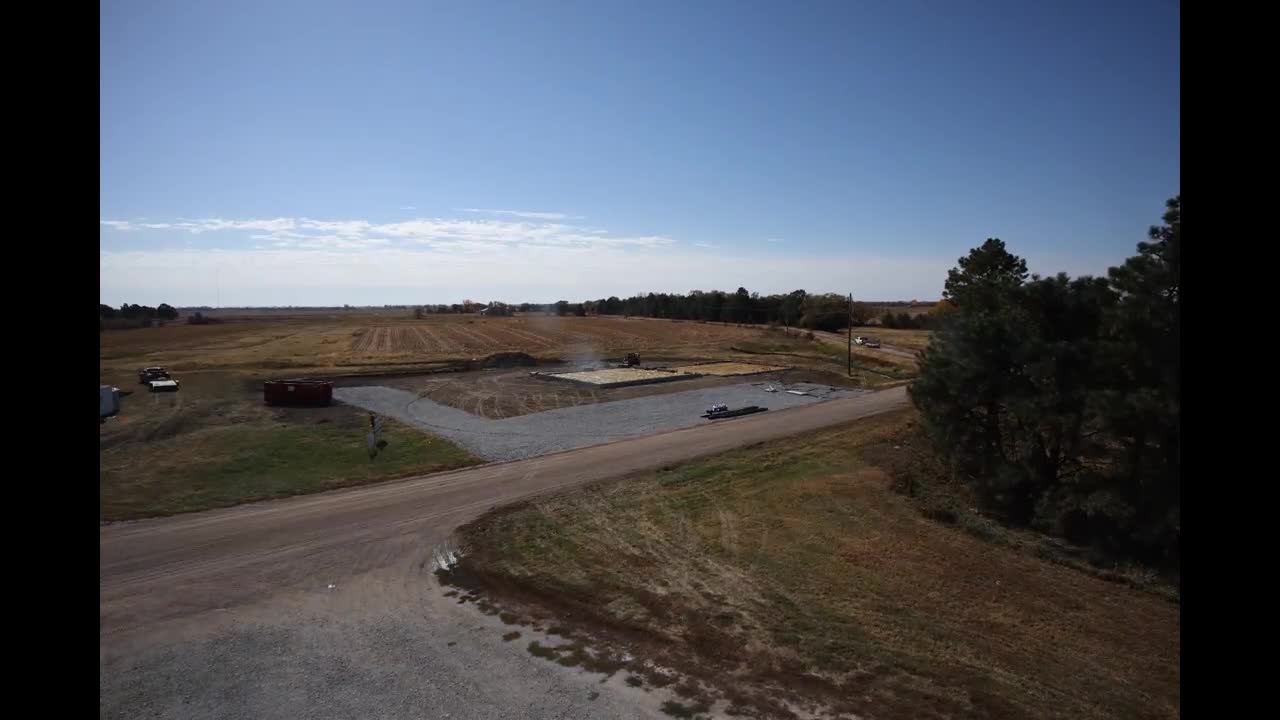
530	334
727	369
343	341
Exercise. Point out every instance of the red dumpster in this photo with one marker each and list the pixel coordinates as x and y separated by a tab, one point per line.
315	393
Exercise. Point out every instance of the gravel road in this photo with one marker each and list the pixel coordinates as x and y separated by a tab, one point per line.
324	606
536	434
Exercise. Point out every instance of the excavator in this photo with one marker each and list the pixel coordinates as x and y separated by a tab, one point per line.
631	360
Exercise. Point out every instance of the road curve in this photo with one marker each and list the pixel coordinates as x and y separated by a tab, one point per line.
139	558
176	594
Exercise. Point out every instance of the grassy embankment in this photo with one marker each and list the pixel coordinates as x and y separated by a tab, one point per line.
800	571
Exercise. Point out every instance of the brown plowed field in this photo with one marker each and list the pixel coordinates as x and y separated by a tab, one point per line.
535	334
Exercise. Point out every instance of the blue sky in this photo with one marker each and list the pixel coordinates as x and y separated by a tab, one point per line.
399	152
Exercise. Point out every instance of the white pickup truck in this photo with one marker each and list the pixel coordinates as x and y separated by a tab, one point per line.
166	385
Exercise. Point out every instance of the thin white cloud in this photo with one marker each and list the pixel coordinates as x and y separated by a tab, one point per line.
705	245
408	207
774	240
346	228
526	214
441	234
196	227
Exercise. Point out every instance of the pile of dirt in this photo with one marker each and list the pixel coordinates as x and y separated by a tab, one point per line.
508	360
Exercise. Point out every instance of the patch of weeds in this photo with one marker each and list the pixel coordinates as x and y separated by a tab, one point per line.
452	643
487	607
575	655
980	528
688	474
511	636
634	681
537	649
688	689
941	513
680	710
560	630
758	706
603	662
508	618
658	679
451	593
593	695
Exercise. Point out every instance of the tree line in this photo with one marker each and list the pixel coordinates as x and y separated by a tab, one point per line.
1058	400
133	316
164	312
825	311
798	308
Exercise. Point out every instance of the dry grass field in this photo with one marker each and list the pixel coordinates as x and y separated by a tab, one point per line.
793	572
214	443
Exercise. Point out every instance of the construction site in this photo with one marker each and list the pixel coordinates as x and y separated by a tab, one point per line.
505	414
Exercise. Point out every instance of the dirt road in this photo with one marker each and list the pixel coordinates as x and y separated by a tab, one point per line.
324	606
842	339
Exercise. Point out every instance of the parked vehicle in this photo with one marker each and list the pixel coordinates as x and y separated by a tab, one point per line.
720	412
165	385
146	375
858	339
870	342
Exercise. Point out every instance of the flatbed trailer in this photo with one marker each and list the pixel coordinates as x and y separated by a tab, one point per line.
722	414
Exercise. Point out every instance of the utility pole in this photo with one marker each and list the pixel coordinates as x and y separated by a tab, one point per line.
849	333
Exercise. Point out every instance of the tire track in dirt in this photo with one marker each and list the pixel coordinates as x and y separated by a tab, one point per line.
491	342
441	336
360	340
526	340
471	341
426	341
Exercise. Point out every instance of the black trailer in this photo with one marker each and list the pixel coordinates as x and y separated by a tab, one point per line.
722	414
